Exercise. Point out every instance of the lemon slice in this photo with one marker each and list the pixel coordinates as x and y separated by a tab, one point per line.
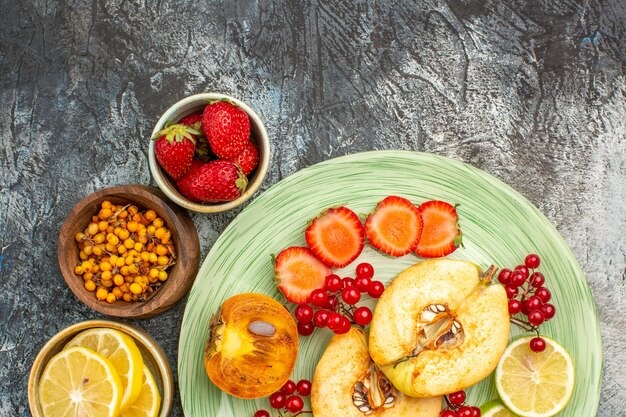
123	353
495	408
535	384
148	403
79	382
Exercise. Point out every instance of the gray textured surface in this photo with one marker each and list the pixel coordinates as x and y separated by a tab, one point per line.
530	91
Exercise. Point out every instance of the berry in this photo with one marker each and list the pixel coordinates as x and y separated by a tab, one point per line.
504	276
306	329
294	404
334	321
344	327
548	311
298	273
515	306
261	413
303	313
347	282
304	387
174	147
320	318
277	400
288	388
193	120
537	344
534	303
350	295
362	283
318	298
362	316
517	278
524	270
537	279
441	234
535	318
214	181
332	283
544	294
475	411
336	236
248	158
364	270
448	413
394	227
465	411
511	291
376	289
457	398
532	261
227	128
332	302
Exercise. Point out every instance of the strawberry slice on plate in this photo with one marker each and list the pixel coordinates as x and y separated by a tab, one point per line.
336	237
298	272
394	227
441	234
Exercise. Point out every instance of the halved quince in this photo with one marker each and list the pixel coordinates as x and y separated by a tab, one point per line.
252	346
347	383
439	327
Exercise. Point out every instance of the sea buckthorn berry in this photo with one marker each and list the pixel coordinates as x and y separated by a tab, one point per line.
161	250
132	210
132	226
90	285
138	246
153	258
158	222
150	215
107	283
92	229
127	297
97	250
101	294
78	270
106	204
118	280
163	276
111	298
87	276
154	272
163	260
99	238
106	275
166	237
151	230
117	293
135	288
103	225
82	255
129	243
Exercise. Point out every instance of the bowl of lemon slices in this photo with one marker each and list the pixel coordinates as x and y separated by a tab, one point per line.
101	368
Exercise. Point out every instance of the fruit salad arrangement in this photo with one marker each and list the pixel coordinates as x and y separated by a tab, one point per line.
439	327
124	253
99	372
209	154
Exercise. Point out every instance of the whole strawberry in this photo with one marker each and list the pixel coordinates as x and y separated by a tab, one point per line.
227	127
248	159
186	183
174	147
214	182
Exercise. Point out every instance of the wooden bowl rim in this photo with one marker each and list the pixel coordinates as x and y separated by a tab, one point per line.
139	335
163	299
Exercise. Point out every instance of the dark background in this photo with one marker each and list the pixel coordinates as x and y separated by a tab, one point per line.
530	91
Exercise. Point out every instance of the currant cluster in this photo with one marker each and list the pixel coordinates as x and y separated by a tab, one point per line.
455	406
528	297
288	398
334	306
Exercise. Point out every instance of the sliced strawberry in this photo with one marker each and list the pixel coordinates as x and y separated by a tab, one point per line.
298	272
441	234
394	227
336	237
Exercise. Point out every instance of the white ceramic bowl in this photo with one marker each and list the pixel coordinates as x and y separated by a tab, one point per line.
193	104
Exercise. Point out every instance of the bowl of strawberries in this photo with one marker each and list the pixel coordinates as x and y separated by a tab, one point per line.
209	152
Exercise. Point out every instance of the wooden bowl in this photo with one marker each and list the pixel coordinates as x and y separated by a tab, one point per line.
184	236
153	357
191	105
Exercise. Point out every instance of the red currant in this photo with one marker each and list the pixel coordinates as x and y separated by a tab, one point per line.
535	317
362	316
318	298
344	327
475	412
261	413
548	311
534	303
332	283
334	321
320	318
465	411
294	404
277	400
376	289
303	313
304	387
537	344
350	295
332	302
544	294
364	270
504	276
517	278
289	388
532	261
362	283
537	279
457	398
515	306
524	270
511	291
448	413
306	329
347	282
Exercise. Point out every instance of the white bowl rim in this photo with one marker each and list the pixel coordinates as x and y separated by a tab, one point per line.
262	167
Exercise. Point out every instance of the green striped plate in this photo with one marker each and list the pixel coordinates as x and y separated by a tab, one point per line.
499	225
